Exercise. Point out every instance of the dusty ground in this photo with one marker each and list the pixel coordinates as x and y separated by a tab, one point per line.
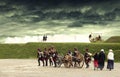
29	68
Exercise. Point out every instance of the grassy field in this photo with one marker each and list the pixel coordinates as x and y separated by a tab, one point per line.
29	50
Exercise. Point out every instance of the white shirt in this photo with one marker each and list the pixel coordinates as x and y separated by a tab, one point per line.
110	56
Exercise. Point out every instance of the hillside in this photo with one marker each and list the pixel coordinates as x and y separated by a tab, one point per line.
29	50
113	39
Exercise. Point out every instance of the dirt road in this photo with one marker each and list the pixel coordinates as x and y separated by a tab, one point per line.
29	68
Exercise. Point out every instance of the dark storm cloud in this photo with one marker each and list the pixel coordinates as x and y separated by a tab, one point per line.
81	11
46	4
48	9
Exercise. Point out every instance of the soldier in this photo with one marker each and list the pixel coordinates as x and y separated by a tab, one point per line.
50	56
54	55
87	57
75	53
40	56
69	52
46	56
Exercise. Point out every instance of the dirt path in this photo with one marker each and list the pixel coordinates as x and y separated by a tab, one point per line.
29	68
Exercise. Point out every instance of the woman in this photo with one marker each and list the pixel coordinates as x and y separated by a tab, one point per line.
95	56
110	60
101	59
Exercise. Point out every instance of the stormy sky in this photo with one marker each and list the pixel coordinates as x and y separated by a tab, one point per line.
29	18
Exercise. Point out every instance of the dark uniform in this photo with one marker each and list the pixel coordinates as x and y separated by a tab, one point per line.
40	57
101	60
87	58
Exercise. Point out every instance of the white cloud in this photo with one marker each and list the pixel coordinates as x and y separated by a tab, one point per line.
22	39
55	38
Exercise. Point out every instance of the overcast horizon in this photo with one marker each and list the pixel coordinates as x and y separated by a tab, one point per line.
32	18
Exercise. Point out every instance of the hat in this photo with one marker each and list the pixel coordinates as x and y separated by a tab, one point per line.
110	50
102	50
86	49
38	49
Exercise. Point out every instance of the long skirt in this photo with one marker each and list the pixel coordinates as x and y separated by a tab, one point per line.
101	64
110	64
95	63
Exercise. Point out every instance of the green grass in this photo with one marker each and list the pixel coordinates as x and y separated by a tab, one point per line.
29	50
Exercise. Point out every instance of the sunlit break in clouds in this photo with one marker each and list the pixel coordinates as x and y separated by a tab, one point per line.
23	21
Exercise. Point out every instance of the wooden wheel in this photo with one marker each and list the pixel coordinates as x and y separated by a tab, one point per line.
79	62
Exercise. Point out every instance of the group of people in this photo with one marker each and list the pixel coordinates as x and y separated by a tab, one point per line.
99	59
45	38
51	55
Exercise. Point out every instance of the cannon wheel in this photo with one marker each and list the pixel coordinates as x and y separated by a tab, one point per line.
59	61
79	63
